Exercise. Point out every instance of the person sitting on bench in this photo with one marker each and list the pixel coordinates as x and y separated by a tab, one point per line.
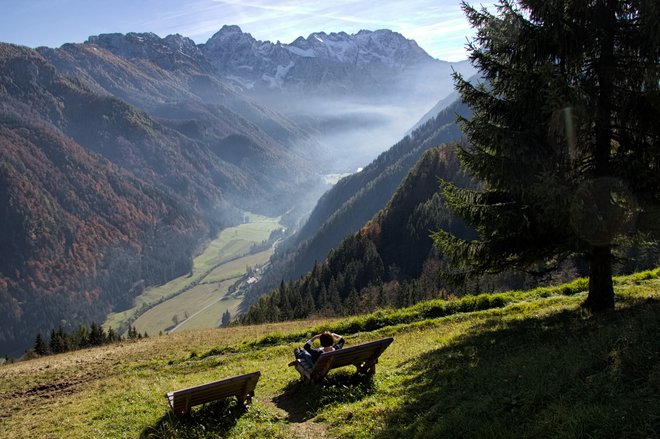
308	355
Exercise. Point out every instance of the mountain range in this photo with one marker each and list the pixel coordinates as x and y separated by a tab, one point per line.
121	156
323	63
354	95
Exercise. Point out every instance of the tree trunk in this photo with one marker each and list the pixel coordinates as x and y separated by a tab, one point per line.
601	289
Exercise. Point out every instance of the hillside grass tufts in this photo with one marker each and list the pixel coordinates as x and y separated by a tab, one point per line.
515	364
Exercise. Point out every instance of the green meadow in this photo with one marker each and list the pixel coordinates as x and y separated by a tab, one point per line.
513	364
224	261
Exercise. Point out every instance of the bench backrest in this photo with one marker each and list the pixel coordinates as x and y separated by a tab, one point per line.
363	356
240	386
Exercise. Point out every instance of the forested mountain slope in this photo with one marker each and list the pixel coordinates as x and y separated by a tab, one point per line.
389	261
354	200
95	196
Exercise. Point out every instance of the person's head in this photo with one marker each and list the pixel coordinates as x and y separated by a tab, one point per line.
326	339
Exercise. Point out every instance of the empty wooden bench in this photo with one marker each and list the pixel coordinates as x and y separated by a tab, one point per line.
364	357
241	386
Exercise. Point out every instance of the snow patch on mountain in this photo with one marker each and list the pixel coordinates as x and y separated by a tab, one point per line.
280	75
305	53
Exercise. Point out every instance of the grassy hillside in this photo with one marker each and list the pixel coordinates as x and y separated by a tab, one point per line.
516	364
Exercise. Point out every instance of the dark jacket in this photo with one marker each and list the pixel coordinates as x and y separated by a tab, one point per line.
316	352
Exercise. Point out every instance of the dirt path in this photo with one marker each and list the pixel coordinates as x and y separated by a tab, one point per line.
297	419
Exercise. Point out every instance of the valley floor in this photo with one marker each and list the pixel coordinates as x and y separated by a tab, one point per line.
518	364
199	299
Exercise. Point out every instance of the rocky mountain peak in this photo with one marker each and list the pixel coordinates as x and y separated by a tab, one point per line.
179	42
171	53
229	35
229	29
335	60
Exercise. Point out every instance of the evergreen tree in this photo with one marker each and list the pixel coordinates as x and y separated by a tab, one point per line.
112	336
40	346
353	303
97	335
226	318
564	137
283	305
79	339
58	341
307	305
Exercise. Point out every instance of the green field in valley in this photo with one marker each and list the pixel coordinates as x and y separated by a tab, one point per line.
198	300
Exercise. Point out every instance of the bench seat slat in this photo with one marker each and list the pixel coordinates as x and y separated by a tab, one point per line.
236	381
241	386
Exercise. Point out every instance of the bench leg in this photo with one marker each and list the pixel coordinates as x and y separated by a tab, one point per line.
366	370
245	400
185	411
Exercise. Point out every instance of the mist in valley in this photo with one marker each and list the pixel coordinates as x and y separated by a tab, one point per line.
349	129
353	132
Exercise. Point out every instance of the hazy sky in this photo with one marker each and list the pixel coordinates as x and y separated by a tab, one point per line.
438	26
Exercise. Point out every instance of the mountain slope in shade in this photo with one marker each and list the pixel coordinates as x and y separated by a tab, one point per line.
395	247
189	101
354	200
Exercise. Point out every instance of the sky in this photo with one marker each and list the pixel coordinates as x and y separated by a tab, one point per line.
438	26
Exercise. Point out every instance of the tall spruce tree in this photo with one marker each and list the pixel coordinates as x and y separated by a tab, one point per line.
565	136
40	345
226	319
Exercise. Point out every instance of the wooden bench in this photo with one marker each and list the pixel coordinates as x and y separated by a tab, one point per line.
364	357
241	386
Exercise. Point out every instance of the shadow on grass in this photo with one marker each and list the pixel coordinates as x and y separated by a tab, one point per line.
568	375
209	420
302	401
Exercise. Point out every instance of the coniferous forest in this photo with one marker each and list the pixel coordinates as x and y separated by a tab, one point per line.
60	341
